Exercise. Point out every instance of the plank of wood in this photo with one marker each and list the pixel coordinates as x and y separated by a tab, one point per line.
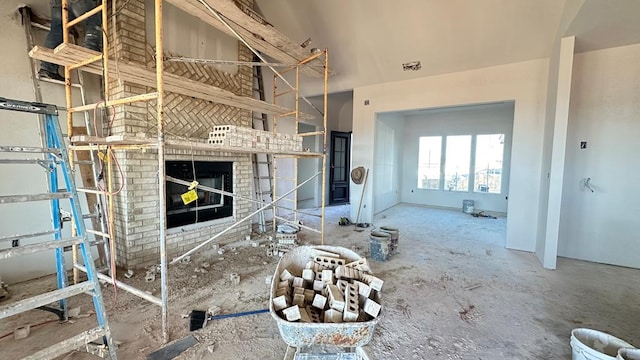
68	54
174	349
264	38
194	144
110	140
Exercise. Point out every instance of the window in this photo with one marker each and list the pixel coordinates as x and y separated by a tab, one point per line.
429	157
488	167
457	163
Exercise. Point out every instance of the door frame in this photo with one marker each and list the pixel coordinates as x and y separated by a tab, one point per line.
334	135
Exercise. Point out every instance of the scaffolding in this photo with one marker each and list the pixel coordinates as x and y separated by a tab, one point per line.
222	14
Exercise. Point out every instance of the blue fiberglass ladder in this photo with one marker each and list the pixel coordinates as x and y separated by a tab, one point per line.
55	162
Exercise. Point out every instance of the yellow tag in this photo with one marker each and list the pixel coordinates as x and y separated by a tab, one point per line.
193	185
189	197
102	156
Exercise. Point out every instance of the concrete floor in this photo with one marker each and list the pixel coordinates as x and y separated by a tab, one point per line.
453	292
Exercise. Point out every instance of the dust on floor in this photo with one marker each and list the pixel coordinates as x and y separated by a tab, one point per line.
453	292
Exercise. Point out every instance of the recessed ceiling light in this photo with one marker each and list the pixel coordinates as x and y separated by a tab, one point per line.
414	65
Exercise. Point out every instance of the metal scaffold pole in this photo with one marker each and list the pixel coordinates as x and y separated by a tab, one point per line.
161	169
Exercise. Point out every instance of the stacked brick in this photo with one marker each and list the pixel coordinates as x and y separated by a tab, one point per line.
248	139
284	243
328	290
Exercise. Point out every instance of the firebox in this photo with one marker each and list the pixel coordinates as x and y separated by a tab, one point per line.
209	205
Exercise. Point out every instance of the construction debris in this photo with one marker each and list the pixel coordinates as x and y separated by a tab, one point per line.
287	239
129	274
482	214
22	332
328	290
4	290
235	278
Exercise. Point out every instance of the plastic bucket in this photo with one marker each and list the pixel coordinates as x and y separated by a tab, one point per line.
394	234
380	245
467	206
588	344
628	354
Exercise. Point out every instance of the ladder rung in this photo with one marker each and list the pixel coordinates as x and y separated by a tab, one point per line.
68	345
44	299
263	162
86	15
29	149
90	191
36	197
86	62
286	114
312	133
285	178
99	233
285	92
263	177
122	101
24	236
34	248
26	161
58	82
83	162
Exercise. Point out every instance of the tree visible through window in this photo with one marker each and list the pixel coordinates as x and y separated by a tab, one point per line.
429	157
488	168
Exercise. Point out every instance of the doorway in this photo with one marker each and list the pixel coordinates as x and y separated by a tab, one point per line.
339	167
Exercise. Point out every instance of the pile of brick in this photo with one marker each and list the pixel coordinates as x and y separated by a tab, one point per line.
247	138
328	290
283	243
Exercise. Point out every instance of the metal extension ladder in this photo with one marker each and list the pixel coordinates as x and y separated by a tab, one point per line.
262	163
56	159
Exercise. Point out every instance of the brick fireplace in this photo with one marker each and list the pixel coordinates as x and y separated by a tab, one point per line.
136	212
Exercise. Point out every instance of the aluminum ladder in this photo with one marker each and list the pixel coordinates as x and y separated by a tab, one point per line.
55	161
262	163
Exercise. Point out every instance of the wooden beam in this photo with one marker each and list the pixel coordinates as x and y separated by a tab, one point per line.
68	54
194	144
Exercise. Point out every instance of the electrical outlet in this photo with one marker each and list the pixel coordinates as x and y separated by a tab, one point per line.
583	144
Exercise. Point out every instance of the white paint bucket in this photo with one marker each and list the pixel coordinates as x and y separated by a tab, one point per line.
468	206
588	344
628	354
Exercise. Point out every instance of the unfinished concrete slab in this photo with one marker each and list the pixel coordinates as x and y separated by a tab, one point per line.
452	292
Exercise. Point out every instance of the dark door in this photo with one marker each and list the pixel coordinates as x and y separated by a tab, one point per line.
339	167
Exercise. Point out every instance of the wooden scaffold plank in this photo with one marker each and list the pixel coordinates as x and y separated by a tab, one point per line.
69	54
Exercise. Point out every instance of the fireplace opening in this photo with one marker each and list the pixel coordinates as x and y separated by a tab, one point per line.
209	205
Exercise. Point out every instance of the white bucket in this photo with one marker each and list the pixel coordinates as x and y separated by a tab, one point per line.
628	354
588	344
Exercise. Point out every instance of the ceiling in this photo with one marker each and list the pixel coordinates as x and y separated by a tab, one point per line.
368	41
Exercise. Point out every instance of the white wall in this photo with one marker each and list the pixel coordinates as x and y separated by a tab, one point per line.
307	166
557	119
489	119
22	129
604	111
387	164
524	83
187	36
